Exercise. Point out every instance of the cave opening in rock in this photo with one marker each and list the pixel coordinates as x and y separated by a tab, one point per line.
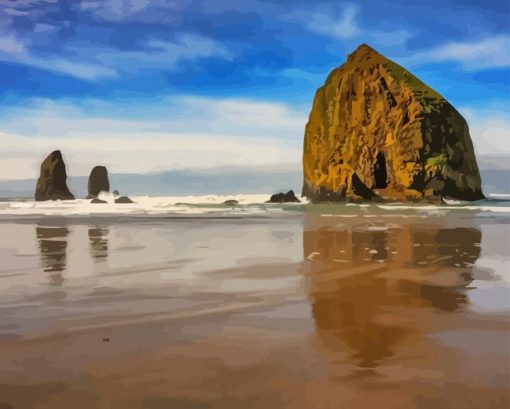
380	172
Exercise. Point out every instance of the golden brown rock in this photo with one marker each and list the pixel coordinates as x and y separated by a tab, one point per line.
377	132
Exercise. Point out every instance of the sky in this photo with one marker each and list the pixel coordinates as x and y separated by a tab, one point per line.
144	86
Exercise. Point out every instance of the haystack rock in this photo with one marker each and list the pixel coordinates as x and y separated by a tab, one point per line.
98	182
376	132
51	184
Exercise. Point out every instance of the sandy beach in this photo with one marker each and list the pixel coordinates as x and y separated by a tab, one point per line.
326	307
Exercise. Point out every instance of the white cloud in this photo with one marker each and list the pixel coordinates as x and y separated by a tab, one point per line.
117	10
489	129
43	28
11	45
491	52
344	26
16	12
15	50
390	38
96	63
180	114
141	153
248	116
191	133
161	54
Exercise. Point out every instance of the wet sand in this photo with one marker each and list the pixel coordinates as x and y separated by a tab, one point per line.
307	310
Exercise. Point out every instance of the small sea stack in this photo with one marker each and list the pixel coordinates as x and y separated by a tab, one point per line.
98	182
281	197
52	182
231	202
123	200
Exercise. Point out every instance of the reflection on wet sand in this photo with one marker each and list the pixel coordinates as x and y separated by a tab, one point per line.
391	314
98	238
53	249
369	285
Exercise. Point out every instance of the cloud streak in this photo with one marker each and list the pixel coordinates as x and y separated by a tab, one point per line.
99	63
190	133
490	129
23	155
490	52
118	10
182	114
343	25
14	50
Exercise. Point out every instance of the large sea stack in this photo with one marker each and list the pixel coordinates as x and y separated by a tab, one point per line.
51	184
98	182
376	132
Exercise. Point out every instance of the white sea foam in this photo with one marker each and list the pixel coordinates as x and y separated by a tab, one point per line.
214	205
447	208
145	205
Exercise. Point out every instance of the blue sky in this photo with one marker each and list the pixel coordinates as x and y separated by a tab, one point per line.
216	83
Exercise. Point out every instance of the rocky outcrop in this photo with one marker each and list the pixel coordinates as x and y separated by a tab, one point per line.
123	199
51	184
376	132
288	197
231	202
98	182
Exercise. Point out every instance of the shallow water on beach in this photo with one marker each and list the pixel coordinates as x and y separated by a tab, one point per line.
307	307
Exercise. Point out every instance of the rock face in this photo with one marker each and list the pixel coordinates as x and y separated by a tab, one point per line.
288	197
98	182
377	132
51	184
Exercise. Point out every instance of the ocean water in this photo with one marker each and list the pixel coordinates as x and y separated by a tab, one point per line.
183	302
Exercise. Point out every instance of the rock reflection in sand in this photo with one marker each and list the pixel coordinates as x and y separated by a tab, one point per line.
368	286
98	238
53	250
310	311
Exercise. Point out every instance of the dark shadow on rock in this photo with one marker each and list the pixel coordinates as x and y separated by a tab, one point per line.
380	172
360	189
